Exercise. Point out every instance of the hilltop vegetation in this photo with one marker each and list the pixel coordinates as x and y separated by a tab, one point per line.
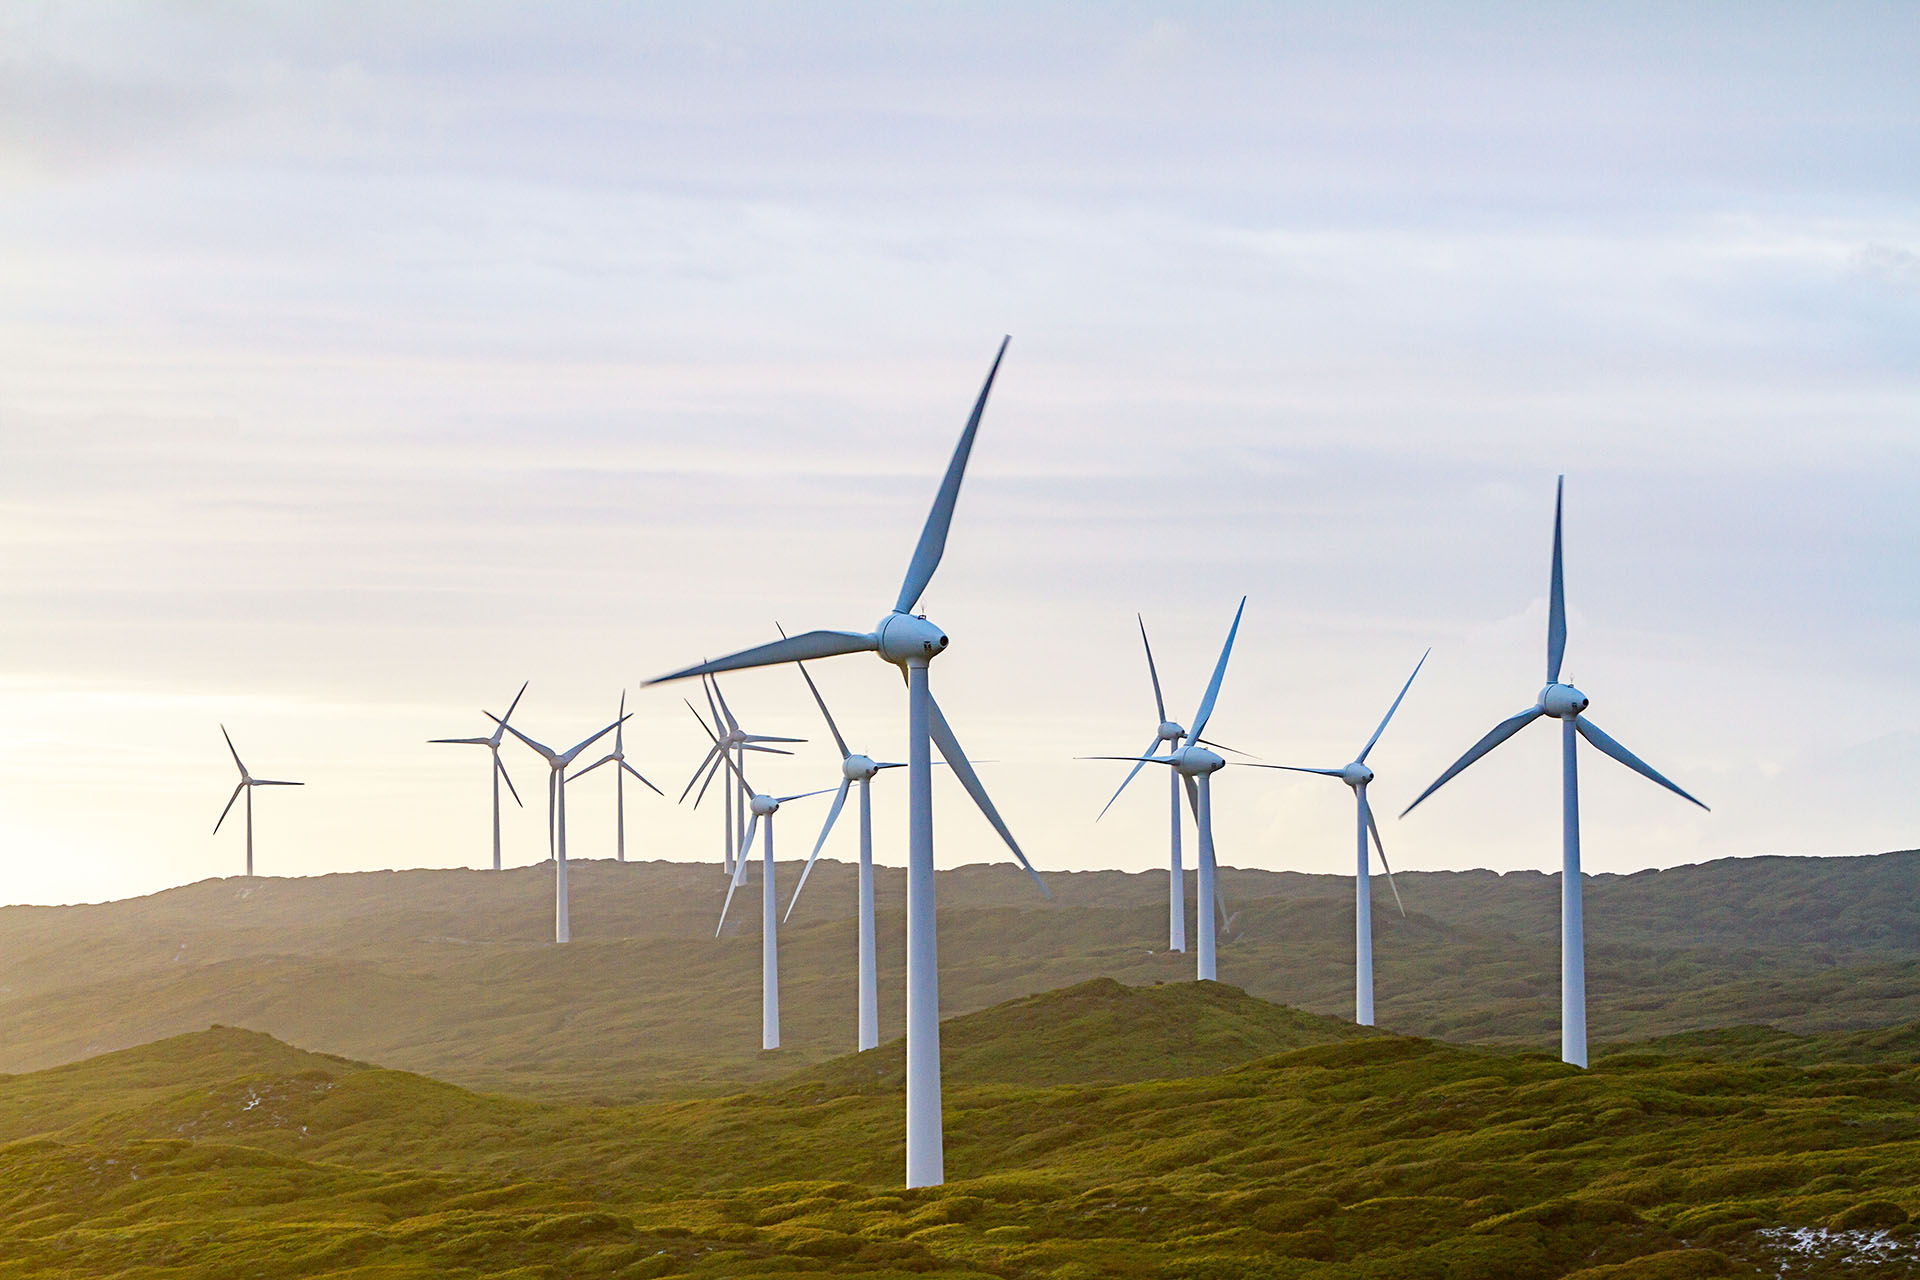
450	972
226	1153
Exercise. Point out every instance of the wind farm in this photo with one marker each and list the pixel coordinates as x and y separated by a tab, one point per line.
1104	373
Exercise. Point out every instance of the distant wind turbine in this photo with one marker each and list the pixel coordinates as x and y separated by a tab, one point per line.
499	771
911	642
1169	733
618	758
247	783
1357	775
731	743
761	806
557	764
1566	704
861	769
1195	766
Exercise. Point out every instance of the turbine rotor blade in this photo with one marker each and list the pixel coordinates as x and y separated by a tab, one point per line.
1557	599
739	871
1138	765
832	728
515	702
1297	768
238	787
1193	796
590	768
505	777
235	753
1221	746
1205	713
808	644
839	799
1362	757
1494	737
950	748
566	757
1367	809
636	773
460	742
933	536
1593	733
712	773
262	782
542	749
1159	703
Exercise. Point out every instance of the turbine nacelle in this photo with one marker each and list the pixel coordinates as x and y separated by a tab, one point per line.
905	639
1171	732
763	806
858	768
1196	761
1356	774
1562	701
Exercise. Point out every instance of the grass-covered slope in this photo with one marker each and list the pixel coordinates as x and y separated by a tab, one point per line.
450	972
227	1154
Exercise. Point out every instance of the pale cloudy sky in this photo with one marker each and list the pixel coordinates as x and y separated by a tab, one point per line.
358	362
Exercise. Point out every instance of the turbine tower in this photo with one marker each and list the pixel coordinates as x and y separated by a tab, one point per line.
1194	765
499	771
861	769
730	742
761	806
1357	775
911	642
618	758
1566	704
247	783
557	763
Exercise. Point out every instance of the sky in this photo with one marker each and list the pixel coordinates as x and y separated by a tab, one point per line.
359	362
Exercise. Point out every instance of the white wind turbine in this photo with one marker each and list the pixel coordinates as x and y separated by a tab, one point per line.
1566	704
861	769
557	763
1357	775
761	806
911	642
499	771
618	758
247	783
731	742
1169	733
1195	765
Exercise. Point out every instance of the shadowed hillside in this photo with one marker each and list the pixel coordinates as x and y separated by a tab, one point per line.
226	1153
451	973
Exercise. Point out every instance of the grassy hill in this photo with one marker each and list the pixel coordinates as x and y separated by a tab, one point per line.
450	973
1197	1154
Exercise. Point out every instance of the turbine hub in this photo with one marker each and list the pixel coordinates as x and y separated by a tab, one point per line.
1563	701
858	768
764	806
907	638
1195	761
1356	775
1171	732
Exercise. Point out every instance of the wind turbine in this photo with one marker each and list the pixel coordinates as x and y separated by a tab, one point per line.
861	769
1357	775
1566	704
557	762
761	806
1169	733
730	742
1194	765
618	758
911	642
498	771
247	783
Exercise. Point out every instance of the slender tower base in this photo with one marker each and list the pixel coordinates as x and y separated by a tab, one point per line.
726	854
562	932
496	808
1203	910
769	949
1176	879
249	833
926	1153
869	968
1362	924
619	811
1573	932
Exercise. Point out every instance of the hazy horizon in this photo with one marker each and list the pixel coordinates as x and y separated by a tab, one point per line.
360	364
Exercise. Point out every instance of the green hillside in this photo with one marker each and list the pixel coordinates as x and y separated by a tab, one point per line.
450	973
226	1153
